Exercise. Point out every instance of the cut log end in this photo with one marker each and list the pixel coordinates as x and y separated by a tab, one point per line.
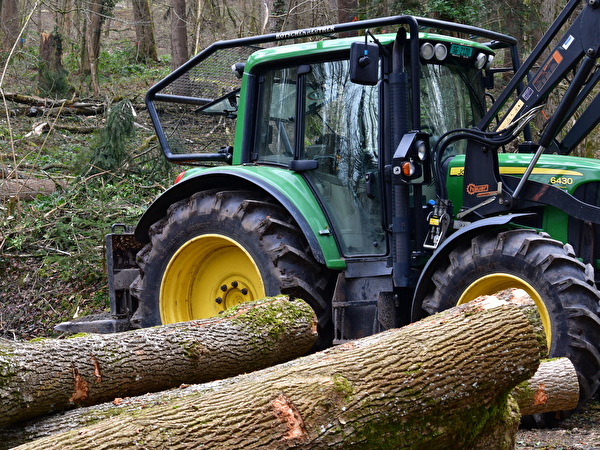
554	387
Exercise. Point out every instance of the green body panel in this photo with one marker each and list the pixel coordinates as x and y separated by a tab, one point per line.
282	183
239	129
563	172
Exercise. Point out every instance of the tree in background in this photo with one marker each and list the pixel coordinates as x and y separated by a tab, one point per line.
144	30
95	14
10	23
179	37
52	75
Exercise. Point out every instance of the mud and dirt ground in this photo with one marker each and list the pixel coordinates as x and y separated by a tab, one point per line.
579	432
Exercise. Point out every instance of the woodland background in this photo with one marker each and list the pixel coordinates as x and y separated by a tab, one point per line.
87	151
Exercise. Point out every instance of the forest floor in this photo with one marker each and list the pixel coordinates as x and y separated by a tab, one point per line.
581	431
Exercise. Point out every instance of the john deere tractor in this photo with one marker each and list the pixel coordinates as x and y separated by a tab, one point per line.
377	178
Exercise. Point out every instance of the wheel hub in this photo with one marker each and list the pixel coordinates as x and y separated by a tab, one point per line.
233	293
207	275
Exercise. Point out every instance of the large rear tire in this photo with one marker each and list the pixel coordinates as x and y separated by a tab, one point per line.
561	286
221	248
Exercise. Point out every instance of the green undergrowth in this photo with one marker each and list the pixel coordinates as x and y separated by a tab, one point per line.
53	256
102	169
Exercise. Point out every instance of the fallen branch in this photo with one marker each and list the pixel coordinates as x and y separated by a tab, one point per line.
47	106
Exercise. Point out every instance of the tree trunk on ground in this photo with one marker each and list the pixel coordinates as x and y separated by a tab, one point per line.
554	387
144	30
25	188
53	375
80	417
443	382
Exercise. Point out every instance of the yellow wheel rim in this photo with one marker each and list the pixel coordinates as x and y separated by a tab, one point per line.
208	274
491	284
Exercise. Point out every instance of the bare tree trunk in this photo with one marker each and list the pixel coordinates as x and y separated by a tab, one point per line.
440	383
95	15
51	51
9	23
144	30
179	42
53	375
52	75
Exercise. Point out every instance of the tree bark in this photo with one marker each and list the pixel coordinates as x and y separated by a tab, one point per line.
53	375
528	400
9	23
51	51
179	42
94	18
554	387
144	30
443	382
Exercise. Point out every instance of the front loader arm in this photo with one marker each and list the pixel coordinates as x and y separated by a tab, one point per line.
575	54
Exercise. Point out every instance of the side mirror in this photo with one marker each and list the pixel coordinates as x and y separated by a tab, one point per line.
364	63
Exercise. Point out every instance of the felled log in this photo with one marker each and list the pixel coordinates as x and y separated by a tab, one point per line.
53	375
442	382
25	188
74	419
47	106
554	387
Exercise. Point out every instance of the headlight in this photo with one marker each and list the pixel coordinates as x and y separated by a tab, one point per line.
440	51
480	61
421	147
427	51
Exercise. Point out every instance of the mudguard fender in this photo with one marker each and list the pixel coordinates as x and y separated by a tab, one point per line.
291	192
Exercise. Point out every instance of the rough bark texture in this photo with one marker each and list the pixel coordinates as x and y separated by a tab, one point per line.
144	30
179	43
53	375
10	23
554	387
529	397
51	51
25	188
443	382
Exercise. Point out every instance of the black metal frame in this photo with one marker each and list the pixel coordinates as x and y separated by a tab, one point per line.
496	40
576	52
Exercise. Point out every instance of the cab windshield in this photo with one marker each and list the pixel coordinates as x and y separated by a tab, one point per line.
452	96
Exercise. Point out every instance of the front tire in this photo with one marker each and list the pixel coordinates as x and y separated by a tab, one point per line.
561	286
221	248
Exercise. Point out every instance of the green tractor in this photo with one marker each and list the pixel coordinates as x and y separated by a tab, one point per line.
367	175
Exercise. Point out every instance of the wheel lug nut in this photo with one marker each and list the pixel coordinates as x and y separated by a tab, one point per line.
244	291
219	300
234	284
224	288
